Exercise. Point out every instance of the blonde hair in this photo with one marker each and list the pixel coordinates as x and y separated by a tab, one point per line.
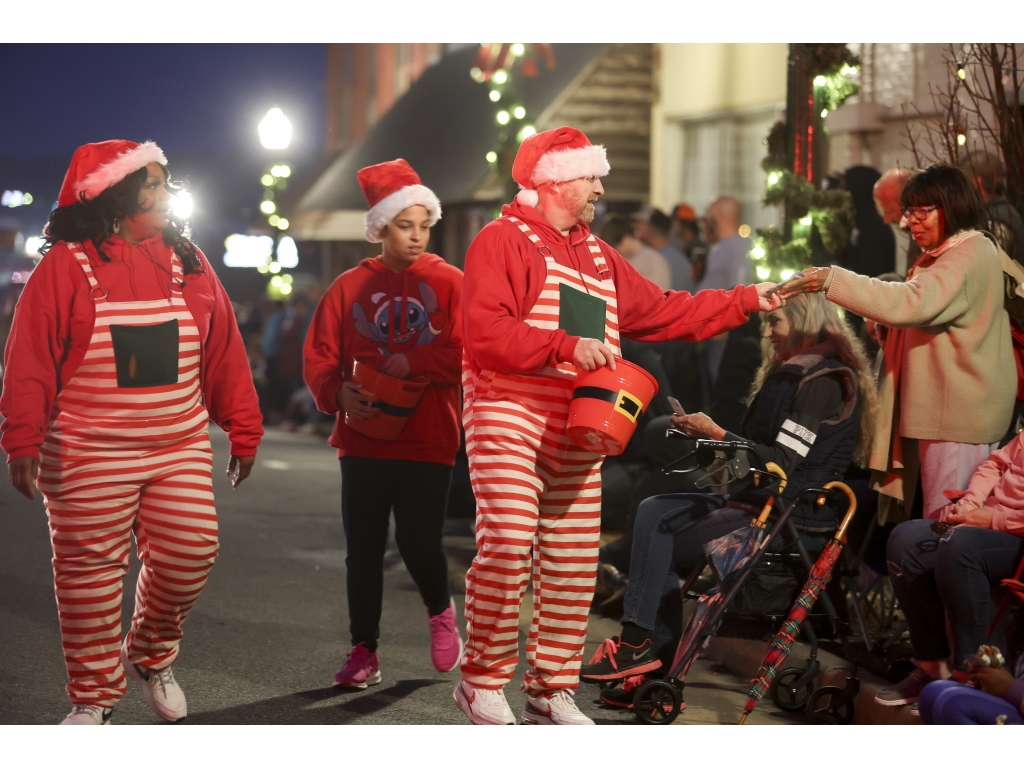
815	320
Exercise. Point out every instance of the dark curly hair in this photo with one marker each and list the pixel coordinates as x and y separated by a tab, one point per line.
949	188
93	220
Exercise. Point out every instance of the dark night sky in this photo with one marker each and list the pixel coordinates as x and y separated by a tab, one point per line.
201	103
190	99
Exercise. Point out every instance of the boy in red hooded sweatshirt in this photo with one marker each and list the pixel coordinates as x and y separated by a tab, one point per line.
399	313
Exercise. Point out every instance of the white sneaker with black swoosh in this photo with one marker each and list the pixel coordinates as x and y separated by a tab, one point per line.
88	714
483	706
554	708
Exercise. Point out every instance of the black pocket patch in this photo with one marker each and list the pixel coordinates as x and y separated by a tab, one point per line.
146	355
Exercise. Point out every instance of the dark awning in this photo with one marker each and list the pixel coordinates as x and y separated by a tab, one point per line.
444	126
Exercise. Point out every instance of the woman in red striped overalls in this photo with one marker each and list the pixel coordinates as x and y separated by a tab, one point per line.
123	347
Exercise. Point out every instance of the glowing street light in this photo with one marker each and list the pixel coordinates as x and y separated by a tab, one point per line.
275	130
181	206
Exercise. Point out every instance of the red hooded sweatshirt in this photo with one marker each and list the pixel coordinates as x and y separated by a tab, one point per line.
354	319
505	273
53	324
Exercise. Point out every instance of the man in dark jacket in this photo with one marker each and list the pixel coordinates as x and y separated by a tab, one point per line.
1003	220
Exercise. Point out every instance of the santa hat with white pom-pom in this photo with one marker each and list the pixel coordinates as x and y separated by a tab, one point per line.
390	188
96	167
561	154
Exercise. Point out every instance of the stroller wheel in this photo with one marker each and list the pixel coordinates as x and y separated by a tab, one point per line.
830	706
787	698
657	702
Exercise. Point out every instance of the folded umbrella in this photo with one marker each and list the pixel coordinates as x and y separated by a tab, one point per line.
818	578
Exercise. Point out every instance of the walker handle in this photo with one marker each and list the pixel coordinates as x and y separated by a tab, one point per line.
775	469
848	517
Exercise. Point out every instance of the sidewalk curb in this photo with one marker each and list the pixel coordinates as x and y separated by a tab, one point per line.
744	657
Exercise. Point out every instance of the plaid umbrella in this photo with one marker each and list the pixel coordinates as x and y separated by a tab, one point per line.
819	576
688	642
727	554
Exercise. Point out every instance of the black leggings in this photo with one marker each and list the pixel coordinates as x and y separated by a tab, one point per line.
418	493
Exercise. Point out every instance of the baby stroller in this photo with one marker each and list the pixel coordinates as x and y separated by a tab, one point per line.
733	558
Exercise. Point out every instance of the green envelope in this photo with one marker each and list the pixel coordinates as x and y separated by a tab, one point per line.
581	314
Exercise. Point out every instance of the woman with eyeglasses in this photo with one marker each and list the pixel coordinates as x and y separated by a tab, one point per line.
948	382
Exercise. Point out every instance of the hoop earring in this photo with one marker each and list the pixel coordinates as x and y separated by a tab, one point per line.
117	226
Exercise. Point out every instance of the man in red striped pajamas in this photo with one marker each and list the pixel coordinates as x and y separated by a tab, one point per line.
123	348
542	299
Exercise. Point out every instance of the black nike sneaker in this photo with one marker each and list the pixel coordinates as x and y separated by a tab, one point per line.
615	659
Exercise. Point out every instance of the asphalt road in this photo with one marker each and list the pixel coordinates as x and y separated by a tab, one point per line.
268	634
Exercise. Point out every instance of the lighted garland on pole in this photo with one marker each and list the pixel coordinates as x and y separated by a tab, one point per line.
494	66
790	165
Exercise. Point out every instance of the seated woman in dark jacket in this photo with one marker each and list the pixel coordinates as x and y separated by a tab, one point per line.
811	412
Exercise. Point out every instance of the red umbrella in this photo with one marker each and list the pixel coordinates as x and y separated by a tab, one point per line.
819	576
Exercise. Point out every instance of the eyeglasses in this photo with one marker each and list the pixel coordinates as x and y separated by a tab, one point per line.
918	213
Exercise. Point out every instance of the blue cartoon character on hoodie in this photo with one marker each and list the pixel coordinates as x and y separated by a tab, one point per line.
400	322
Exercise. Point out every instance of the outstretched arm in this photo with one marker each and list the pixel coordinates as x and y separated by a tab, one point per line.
647	314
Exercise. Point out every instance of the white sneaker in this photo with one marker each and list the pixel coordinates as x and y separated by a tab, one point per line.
88	714
555	708
483	706
159	688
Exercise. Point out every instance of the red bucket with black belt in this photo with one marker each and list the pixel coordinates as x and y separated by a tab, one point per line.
606	405
396	399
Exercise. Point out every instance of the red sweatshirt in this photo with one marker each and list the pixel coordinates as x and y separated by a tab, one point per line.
353	320
53	324
505	273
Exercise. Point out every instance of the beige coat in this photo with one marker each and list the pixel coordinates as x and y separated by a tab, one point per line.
954	376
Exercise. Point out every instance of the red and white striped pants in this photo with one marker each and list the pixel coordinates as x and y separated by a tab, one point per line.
538	511
94	505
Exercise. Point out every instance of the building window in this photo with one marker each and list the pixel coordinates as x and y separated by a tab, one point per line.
722	156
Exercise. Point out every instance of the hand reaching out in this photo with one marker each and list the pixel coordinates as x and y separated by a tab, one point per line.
698	425
769	301
813	281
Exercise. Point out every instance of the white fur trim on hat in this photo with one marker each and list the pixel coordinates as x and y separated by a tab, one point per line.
569	164
383	212
121	166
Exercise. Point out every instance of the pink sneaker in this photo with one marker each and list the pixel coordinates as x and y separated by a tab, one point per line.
362	669
445	643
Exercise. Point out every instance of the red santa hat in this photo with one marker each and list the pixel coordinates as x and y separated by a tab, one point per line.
96	167
390	188
561	154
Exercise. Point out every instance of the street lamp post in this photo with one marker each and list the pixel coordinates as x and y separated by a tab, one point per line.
275	131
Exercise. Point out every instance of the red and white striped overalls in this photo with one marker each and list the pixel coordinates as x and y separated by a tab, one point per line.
538	501
119	460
